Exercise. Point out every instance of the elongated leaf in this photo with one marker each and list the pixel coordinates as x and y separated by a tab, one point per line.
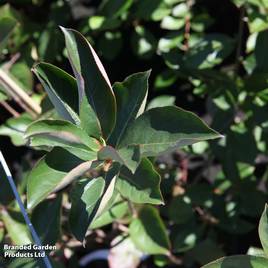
54	171
131	97
160	129
7	24
63	134
149	233
84	199
46	220
61	89
263	230
141	187
89	121
108	195
239	261
92	79
16	227
90	200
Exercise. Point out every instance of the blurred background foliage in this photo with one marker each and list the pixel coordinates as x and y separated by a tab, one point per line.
206	56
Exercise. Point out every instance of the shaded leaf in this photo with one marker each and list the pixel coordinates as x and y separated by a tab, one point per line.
239	261
46	220
16	227
114	8
141	187
180	210
90	200
51	173
131	95
7	24
84	198
61	89
149	233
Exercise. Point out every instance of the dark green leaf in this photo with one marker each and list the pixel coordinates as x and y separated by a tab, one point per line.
239	262
90	200
131	95
143	42
52	172
206	251
141	187
149	10
160	129
114	8
7	24
63	134
210	51
61	89
6	194
180	210
92	79
85	198
260	51
149	233
46	220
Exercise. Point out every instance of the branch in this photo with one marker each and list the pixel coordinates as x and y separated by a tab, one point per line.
9	109
19	95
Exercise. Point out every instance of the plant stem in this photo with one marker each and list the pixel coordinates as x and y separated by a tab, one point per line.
187	28
9	109
22	209
19	95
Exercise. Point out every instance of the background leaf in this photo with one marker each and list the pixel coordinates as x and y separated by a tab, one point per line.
239	261
46	220
263	230
148	232
16	227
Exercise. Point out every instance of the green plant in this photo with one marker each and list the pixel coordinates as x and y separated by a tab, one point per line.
248	261
104	145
